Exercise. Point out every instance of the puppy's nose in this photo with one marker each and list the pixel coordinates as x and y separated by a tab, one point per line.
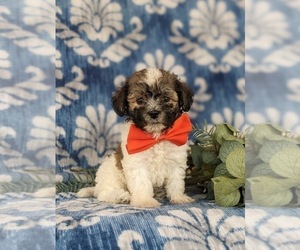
153	114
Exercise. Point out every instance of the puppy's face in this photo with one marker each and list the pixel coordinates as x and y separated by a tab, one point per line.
153	99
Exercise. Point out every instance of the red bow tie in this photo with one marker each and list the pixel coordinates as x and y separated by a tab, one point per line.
139	140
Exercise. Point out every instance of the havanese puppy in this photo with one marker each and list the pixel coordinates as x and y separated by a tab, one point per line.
153	149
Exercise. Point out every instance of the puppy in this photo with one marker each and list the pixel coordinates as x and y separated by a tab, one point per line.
154	102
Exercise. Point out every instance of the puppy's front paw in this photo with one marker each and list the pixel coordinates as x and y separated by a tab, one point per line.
146	203
181	199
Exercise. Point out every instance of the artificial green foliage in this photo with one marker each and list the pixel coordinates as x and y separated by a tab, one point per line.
270	161
219	164
273	166
81	178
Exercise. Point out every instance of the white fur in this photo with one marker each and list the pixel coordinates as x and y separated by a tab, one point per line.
153	75
162	165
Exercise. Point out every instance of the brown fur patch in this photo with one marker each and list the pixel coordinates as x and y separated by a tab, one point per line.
138	76
138	88
119	156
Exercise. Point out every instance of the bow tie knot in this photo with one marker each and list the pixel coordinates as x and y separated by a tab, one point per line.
138	140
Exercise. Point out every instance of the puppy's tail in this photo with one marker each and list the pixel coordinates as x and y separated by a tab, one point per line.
86	192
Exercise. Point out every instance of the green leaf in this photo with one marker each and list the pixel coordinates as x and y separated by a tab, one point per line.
210	191
227	190
228	137
235	163
227	147
275	137
233	129
251	158
221	130
197	155
262	130
228	200
208	171
263	169
221	170
287	163
269	191
270	148
209	156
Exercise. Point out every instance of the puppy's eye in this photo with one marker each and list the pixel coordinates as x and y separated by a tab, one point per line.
140	101
166	99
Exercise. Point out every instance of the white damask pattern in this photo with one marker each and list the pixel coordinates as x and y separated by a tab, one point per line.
40	13
67	93
43	136
292	3
213	24
271	232
116	52
200	97
14	159
240	3
189	229
159	60
265	27
294	87
29	212
23	92
58	65
192	50
158	6
99	19
93	212
241	96
97	134
24	38
5	147
40	143
119	81
64	159
288	120
127	237
235	119
271	41
5	65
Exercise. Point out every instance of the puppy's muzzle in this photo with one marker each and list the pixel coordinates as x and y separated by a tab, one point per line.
153	114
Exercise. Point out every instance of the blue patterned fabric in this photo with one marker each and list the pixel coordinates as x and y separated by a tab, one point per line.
272	63
199	225
27	124
100	43
61	61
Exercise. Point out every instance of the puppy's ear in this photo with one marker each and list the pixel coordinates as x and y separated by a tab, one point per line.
119	100
185	95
